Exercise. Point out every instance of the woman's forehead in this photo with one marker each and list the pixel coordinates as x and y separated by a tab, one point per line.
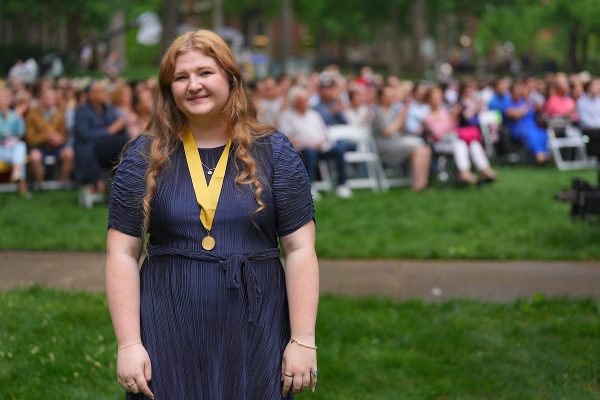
194	59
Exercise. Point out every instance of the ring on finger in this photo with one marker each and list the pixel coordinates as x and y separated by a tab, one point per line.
288	375
129	385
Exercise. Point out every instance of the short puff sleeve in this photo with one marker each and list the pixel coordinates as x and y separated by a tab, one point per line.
125	212
291	187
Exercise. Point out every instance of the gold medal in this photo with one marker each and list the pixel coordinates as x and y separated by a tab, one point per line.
208	243
207	195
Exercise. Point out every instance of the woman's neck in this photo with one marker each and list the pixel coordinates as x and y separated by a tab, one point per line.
209	135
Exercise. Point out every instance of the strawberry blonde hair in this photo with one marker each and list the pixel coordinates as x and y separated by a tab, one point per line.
168	123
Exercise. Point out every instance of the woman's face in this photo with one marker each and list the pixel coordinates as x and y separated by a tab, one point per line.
126	96
387	97
200	87
145	102
5	99
358	99
435	98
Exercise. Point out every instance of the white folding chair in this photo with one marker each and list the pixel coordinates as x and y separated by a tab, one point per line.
325	184
490	122
365	157
564	137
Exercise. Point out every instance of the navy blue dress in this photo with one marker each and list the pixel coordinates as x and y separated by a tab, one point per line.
215	323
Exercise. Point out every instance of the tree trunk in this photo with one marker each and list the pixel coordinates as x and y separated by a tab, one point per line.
420	33
571	62
169	12
117	42
584	48
287	18
217	15
72	31
393	42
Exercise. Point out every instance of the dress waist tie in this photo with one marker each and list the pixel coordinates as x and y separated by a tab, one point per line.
239	270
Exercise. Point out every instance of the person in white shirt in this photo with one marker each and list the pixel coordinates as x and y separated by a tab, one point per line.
308	133
588	106
358	113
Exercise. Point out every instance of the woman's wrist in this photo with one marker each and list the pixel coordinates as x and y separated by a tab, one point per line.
128	346
305	338
303	344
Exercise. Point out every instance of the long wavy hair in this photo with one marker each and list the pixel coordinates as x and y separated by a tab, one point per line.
168	123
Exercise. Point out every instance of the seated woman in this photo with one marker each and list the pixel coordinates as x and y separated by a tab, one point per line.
307	131
393	145
417	111
358	112
588	106
560	104
12	148
442	126
521	120
122	99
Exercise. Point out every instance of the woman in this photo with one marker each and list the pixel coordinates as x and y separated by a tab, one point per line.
396	147
207	317
522	122
143	105
442	126
122	99
12	148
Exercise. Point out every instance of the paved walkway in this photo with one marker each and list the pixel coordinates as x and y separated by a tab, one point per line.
428	280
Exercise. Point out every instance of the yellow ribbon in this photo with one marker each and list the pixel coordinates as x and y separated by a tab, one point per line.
207	196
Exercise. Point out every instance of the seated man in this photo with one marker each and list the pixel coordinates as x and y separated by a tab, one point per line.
46	134
100	134
329	105
307	132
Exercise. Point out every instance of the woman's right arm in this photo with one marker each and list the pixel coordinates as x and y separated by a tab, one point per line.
123	294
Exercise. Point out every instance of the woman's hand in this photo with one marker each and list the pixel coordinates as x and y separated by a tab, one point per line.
134	370
299	367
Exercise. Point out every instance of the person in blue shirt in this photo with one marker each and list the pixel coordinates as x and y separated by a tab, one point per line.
13	149
521	119
100	134
329	106
501	98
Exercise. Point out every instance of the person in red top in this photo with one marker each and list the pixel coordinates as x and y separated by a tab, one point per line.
559	103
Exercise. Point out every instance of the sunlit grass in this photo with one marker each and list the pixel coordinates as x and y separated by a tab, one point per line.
516	218
57	345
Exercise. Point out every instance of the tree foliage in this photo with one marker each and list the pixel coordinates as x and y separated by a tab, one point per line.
569	25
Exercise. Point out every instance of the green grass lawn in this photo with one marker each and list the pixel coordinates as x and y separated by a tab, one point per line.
58	345
516	218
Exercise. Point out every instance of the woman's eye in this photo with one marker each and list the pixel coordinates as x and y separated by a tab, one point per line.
205	73
179	78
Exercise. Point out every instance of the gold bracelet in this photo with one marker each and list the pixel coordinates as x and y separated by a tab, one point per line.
129	345
308	346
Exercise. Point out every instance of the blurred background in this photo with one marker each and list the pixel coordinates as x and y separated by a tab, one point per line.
417	38
439	280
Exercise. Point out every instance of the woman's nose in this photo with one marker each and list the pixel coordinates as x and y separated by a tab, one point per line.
195	83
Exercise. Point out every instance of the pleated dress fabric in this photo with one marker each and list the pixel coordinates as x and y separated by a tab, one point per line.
215	323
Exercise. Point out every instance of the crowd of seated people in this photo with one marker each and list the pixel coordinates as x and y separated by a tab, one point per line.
79	124
84	124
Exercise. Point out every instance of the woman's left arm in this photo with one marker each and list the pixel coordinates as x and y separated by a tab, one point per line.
302	282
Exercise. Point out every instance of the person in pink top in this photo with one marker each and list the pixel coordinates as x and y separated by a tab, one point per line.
559	103
442	125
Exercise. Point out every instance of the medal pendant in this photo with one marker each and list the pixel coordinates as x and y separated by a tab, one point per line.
208	243
209	172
